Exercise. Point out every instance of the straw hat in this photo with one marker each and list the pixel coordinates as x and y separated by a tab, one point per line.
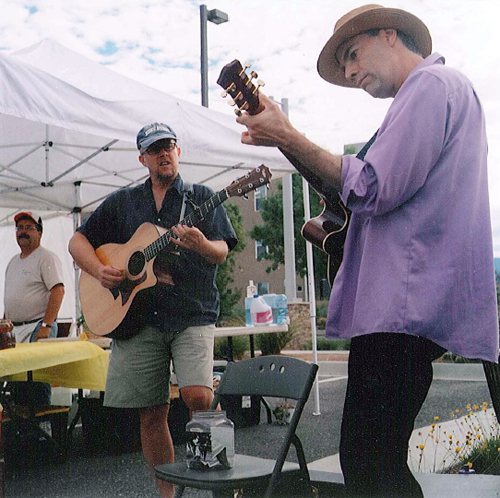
363	19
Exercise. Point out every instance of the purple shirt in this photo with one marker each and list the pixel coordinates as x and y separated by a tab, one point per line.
418	258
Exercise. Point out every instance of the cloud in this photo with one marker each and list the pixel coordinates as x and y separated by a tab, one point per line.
157	42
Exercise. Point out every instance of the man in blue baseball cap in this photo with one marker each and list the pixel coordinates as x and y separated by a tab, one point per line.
177	315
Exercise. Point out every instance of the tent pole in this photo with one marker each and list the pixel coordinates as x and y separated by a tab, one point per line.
312	293
288	230
47	150
77	221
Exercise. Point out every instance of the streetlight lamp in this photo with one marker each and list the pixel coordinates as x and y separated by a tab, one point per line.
217	17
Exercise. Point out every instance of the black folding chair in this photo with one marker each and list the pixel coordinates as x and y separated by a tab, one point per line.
271	376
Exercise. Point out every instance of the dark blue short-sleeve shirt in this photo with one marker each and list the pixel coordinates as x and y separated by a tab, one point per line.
194	298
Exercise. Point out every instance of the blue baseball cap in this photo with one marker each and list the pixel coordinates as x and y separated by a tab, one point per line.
153	132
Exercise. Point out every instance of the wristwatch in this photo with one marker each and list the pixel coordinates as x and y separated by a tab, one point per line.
46	325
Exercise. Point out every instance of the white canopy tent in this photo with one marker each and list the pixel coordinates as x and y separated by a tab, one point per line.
68	128
67	137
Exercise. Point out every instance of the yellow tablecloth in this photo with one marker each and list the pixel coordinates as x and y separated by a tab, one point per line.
77	364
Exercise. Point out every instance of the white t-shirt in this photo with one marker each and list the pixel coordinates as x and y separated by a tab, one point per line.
28	283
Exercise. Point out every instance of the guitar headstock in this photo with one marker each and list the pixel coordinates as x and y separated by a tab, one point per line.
252	180
240	86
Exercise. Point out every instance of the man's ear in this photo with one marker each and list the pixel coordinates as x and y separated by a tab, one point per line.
178	151
141	160
391	35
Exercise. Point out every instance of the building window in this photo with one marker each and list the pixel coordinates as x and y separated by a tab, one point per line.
260	249
259	195
262	288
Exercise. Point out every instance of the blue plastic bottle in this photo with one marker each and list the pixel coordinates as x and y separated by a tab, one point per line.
248	316
281	309
251	292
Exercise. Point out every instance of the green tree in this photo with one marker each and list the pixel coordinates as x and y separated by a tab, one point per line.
229	297
271	233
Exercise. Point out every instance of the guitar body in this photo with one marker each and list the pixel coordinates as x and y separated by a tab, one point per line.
327	232
105	309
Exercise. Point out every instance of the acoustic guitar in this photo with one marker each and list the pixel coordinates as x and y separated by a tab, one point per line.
326	231
106	310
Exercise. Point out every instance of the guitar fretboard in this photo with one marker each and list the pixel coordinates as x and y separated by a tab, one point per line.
191	220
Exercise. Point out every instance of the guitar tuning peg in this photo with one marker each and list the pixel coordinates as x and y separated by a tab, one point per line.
248	64
261	83
231	102
254	75
237	112
224	94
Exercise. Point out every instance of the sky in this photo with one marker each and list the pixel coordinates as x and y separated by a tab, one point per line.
157	42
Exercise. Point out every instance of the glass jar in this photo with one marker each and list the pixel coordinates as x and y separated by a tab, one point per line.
209	441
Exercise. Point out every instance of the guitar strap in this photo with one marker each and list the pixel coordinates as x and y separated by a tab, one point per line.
362	153
187	192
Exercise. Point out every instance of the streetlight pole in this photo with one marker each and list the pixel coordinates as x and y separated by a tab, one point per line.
217	17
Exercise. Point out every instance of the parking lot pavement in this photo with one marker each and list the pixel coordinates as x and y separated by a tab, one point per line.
109	474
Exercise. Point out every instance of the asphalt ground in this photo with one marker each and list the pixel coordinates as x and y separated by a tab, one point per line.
110	472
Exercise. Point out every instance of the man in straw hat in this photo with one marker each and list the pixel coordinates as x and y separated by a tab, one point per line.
417	275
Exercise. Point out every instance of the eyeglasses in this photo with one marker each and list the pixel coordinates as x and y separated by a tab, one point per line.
28	228
156	148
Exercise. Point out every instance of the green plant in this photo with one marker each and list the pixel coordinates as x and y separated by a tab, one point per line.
473	443
240	344
229	297
485	459
455	358
324	344
270	344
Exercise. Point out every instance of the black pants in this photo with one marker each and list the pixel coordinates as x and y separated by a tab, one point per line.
389	377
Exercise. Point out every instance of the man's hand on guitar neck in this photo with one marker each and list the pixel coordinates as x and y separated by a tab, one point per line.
193	239
271	128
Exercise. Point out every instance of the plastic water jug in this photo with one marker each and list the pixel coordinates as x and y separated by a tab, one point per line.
261	312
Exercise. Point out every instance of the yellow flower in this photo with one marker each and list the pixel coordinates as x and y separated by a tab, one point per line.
469	464
479	436
457	449
422	446
436	418
450	436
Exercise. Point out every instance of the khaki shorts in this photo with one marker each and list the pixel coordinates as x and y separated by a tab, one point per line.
139	368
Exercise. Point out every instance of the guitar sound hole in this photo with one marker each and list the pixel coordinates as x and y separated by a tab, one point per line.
136	263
